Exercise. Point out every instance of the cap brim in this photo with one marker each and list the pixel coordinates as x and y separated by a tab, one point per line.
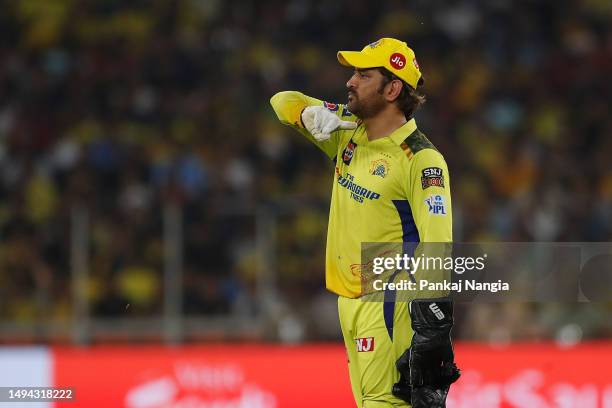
357	59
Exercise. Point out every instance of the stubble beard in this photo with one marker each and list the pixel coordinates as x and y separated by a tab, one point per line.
365	109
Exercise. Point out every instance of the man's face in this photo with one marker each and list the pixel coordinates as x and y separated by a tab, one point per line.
365	97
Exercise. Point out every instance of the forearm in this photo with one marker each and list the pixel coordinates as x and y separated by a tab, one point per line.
288	106
321	126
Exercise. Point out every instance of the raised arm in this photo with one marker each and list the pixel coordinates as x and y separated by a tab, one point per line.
322	123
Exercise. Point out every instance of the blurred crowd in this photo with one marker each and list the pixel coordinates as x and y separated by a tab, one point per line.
128	109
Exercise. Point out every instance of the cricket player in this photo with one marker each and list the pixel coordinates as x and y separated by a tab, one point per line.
390	185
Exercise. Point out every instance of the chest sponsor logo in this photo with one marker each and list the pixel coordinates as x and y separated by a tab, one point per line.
379	168
435	204
349	151
432	177
365	344
358	193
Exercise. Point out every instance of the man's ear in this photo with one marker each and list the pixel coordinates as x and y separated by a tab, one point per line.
394	90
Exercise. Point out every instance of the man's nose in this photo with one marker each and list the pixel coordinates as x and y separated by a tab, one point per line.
350	84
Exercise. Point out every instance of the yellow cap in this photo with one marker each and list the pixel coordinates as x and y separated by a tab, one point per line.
389	53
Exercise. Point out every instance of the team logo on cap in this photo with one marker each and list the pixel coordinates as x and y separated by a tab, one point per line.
416	64
375	44
397	60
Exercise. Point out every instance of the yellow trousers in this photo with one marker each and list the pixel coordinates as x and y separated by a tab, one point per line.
375	334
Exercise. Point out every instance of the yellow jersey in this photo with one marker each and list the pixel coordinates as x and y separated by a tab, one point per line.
392	189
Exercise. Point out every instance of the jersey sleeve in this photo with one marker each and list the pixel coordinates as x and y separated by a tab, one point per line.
430	200
429	196
288	106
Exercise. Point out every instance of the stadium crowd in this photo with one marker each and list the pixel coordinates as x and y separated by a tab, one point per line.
128	108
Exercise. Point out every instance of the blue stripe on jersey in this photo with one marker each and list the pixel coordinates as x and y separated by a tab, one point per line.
409	229
410	233
410	237
389	307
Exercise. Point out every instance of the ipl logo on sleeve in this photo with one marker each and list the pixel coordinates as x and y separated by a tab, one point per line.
435	204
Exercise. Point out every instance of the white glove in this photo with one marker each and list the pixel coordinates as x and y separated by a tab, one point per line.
320	122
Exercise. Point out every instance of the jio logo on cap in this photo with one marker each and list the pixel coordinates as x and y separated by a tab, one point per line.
397	60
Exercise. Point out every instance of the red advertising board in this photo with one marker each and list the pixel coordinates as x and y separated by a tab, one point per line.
533	376
260	376
206	377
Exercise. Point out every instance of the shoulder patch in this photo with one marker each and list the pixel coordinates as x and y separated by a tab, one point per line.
331	106
416	142
432	177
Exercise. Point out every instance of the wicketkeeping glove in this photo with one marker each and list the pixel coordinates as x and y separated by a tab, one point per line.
320	122
427	368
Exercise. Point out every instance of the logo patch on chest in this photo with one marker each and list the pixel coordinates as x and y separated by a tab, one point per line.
349	151
379	168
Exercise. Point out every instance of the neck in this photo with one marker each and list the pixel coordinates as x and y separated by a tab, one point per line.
383	124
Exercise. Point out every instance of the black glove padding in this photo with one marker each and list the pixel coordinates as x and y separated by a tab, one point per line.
402	389
431	359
